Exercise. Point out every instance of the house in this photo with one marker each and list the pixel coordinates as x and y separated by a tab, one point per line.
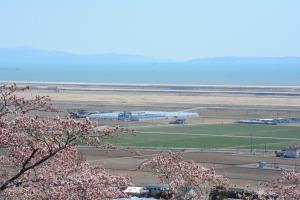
136	191
292	152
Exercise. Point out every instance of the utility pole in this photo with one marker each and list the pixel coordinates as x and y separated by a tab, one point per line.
251	142
265	148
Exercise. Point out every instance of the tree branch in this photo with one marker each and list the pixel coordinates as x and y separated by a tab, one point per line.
25	169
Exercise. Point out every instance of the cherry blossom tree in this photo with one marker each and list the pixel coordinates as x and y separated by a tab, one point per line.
187	180
287	187
38	155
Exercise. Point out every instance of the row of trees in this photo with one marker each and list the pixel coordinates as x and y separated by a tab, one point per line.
39	159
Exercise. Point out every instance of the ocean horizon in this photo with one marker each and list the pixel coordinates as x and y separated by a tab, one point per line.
235	74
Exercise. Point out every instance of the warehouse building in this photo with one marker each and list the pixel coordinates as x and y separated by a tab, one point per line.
142	115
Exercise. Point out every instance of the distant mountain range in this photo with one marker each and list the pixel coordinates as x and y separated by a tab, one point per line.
289	59
27	54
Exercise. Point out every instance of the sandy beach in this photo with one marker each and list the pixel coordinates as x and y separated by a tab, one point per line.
172	94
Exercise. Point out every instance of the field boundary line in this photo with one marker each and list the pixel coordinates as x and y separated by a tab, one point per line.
221	135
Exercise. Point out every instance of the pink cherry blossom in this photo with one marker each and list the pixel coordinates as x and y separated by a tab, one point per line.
187	180
287	187
40	159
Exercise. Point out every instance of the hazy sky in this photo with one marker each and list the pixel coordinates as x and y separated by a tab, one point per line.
179	29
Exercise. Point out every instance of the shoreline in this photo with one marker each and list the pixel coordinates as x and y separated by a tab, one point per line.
179	89
151	84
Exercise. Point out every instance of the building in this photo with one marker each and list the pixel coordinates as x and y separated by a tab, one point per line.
258	121
136	191
142	115
276	121
179	121
291	152
159	191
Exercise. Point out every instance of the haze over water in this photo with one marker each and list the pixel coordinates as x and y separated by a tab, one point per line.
171	30
268	74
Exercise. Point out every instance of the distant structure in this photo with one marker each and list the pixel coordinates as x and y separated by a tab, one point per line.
159	191
291	152
151	191
220	192
258	121
79	113
270	121
142	115
179	121
136	191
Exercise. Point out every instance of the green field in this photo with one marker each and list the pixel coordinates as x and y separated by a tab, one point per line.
213	136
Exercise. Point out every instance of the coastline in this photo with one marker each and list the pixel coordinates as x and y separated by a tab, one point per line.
181	96
146	84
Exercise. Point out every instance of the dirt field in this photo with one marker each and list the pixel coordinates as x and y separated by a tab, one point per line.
138	99
126	162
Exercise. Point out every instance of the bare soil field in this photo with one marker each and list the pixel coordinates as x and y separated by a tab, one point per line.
126	162
141	98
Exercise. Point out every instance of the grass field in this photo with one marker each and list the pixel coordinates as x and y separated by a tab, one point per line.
213	136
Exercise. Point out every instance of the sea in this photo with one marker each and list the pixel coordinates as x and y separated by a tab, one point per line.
260	74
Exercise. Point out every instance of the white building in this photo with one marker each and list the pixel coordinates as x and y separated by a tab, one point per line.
142	115
293	152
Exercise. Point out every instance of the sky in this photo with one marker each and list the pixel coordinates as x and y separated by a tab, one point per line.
173	29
